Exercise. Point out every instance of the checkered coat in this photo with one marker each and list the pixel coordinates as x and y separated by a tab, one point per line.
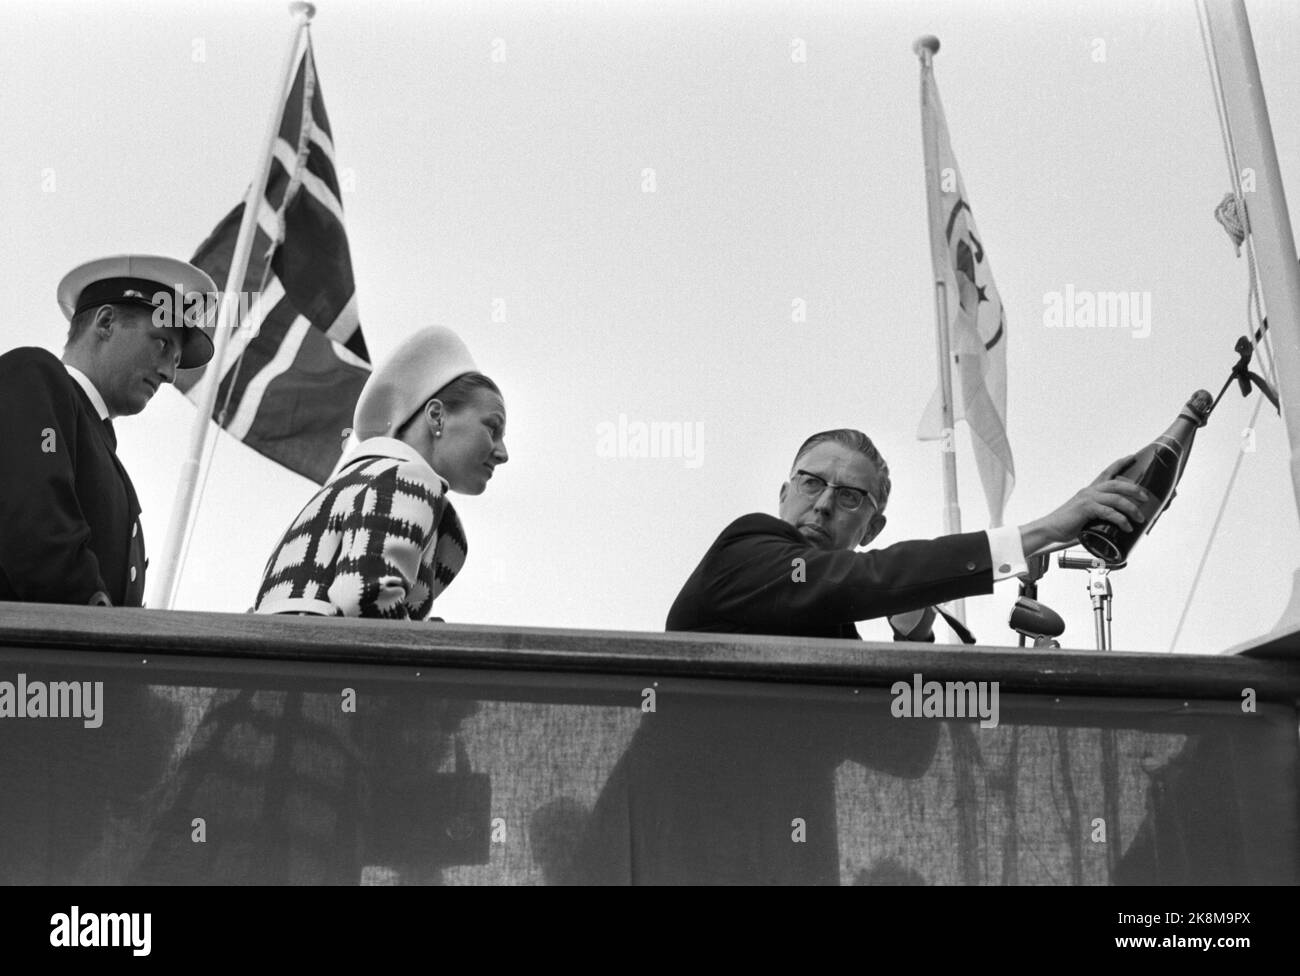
380	539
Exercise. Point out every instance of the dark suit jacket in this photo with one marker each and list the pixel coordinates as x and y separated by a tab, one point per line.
713	784
69	528
69	517
762	577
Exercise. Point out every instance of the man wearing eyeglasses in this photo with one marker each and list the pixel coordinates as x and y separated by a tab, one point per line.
725	788
799	574
719	788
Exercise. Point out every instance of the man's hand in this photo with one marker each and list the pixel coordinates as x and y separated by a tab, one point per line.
1107	499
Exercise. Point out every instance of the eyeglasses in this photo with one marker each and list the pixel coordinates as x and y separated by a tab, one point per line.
847	497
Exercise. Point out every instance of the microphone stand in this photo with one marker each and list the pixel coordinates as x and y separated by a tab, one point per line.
1029	582
1030	590
1099	589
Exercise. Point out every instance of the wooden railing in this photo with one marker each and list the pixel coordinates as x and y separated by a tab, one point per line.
167	635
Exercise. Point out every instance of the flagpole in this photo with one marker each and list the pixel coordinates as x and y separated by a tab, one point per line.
926	48
965	750
163	591
1268	222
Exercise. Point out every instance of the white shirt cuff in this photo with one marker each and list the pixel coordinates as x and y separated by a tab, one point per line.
1007	552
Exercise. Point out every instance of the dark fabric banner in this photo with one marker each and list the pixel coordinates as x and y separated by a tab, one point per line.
228	772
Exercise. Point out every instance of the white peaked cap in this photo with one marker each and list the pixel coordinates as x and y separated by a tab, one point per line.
139	278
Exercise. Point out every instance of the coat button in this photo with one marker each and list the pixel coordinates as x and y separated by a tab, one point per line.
135	528
132	574
971	567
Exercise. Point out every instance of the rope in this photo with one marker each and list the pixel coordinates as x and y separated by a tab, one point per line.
1214	531
1232	212
1233	219
1234	216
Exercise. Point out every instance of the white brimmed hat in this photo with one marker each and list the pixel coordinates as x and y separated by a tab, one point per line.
142	279
417	369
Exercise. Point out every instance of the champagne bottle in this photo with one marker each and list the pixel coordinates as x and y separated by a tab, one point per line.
1157	468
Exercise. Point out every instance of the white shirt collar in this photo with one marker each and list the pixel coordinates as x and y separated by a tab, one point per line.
83	381
389	447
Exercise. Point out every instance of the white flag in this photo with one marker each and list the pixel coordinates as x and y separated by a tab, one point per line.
976	322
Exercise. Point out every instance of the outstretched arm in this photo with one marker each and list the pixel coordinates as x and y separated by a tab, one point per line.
762	573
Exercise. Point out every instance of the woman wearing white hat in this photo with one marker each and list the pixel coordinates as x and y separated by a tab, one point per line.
381	539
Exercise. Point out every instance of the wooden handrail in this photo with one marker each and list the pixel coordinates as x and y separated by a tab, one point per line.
35	627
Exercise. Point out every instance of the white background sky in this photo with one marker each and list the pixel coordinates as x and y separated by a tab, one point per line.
469	181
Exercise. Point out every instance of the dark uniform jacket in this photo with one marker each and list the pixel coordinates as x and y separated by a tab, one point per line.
69	529
69	517
716	785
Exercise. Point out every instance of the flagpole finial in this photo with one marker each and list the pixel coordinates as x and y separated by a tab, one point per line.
306	10
926	42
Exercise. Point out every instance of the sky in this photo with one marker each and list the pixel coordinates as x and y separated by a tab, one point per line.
494	158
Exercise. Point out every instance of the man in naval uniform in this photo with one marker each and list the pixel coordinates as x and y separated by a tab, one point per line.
69	518
70	533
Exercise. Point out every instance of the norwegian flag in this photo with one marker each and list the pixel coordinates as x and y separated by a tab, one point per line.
297	361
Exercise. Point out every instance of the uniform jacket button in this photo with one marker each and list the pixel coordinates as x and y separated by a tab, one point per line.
971	566
132	574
